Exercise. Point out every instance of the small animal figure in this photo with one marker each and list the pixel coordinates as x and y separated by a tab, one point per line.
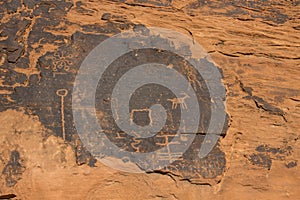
181	101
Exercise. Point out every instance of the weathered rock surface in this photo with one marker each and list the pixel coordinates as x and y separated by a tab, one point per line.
255	44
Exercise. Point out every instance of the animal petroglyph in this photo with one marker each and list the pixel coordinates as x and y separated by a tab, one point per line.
179	101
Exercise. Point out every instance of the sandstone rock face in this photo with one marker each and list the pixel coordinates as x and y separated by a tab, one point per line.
256	47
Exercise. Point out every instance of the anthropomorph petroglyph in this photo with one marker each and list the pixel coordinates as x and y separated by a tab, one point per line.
169	155
192	78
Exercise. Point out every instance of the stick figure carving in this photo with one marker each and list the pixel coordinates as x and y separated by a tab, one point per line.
192	78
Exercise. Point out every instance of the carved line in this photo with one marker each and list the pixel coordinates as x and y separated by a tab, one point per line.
62	93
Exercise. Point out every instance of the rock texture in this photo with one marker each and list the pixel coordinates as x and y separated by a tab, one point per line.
255	44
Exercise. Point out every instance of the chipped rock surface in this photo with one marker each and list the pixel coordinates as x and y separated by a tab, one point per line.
256	46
